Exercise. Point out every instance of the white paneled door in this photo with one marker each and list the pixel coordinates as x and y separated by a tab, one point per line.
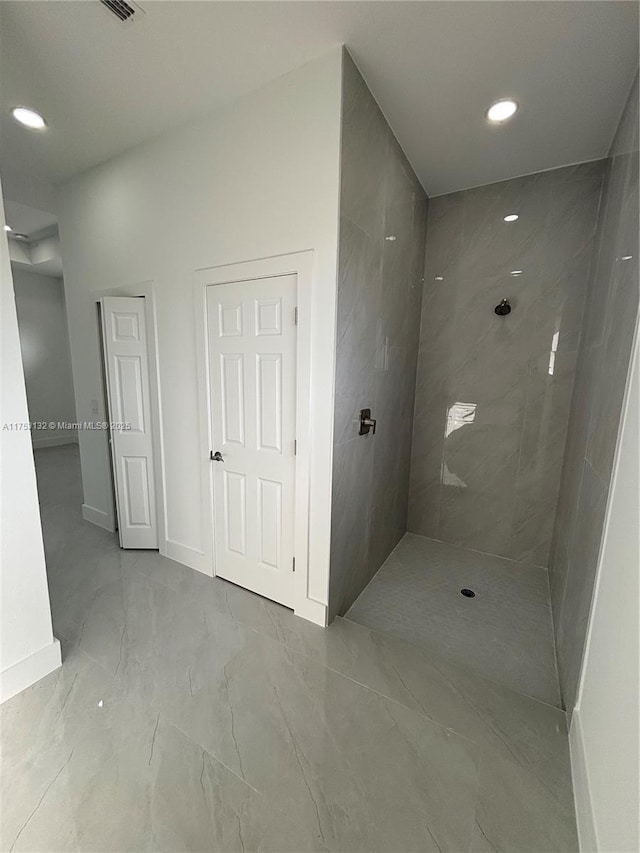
127	369
252	371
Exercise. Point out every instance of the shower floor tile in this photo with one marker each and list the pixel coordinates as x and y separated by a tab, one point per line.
504	633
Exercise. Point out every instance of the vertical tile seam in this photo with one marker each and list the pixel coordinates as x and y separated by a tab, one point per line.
439	502
530	372
418	368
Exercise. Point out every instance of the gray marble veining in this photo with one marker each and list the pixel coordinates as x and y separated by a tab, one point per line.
493	393
380	273
190	714
508	786
105	772
605	345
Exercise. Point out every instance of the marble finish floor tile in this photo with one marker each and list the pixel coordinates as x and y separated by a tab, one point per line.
505	633
190	714
86	769
506	787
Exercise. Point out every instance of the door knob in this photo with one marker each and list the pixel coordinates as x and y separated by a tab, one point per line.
216	457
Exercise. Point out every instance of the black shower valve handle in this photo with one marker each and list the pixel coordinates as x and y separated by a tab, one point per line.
367	423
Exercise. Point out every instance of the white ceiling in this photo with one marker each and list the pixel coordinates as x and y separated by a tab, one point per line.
434	67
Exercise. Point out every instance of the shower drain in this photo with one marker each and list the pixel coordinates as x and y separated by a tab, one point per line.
468	593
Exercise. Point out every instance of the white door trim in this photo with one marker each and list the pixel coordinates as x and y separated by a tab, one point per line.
301	265
147	289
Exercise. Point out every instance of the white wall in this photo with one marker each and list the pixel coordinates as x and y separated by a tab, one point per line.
28	650
256	179
44	341
605	727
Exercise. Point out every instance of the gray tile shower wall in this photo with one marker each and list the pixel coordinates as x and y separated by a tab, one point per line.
493	392
383	213
602	367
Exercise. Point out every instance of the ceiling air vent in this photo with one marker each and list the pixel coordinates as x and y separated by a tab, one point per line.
123	11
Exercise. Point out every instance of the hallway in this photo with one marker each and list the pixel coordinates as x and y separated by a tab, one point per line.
192	715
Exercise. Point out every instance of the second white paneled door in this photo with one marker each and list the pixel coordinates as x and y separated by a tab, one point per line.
252	371
127	371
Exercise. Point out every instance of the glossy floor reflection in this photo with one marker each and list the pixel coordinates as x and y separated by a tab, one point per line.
504	633
192	715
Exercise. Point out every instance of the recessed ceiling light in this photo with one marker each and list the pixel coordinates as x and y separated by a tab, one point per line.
28	118
511	217
439	278
502	110
18	236
626	257
516	272
8	228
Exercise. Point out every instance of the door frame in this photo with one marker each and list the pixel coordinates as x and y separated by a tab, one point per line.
299	264
145	289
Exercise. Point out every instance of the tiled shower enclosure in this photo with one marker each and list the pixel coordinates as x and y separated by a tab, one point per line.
495	433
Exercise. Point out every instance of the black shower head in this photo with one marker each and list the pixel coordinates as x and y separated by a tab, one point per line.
503	308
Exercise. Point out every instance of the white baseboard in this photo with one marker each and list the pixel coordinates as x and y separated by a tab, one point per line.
26	672
188	556
312	611
99	517
587	836
54	441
